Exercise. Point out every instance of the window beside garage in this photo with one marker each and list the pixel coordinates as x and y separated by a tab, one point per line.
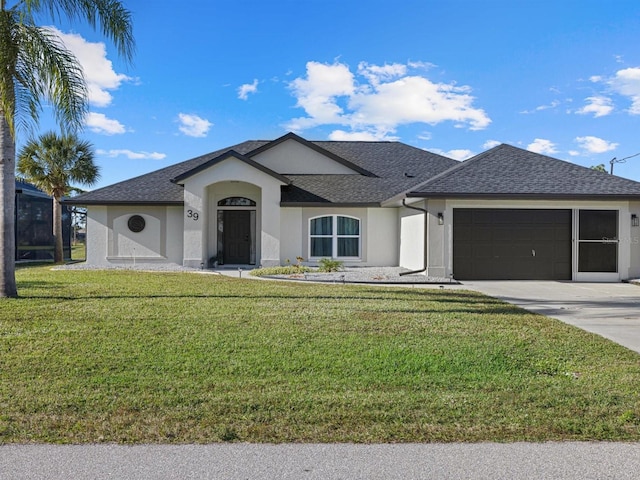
598	241
334	236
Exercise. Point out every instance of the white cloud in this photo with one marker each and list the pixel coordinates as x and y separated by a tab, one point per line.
317	94
131	154
416	99
598	105
592	144
387	97
247	88
540	108
98	70
460	154
540	145
372	136
574	153
627	83
421	65
193	125
456	154
99	123
490	144
377	73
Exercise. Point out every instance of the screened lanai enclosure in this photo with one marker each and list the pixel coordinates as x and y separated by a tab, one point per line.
34	225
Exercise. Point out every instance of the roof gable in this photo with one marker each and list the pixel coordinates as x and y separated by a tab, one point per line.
508	171
283	156
225	156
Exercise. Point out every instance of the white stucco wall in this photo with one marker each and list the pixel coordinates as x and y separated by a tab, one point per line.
436	240
97	235
175	225
412	234
382	237
634	242
146	244
292	244
292	157
109	240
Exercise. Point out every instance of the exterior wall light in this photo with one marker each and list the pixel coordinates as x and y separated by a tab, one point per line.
440	218
635	220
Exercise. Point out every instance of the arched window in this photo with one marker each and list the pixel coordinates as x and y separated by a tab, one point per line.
334	236
236	202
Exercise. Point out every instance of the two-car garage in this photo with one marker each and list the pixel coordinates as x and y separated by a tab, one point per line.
533	244
511	244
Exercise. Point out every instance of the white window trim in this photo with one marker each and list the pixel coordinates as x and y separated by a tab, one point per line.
334	237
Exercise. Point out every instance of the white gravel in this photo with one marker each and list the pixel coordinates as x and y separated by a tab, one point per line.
367	275
142	267
346	275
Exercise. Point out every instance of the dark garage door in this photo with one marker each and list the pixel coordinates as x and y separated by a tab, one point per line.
511	244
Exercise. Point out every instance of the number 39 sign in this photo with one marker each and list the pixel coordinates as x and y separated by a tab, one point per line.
193	215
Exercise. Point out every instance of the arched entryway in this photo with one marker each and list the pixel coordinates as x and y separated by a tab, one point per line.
234	223
236	231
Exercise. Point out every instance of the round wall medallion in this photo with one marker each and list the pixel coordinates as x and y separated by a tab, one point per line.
136	223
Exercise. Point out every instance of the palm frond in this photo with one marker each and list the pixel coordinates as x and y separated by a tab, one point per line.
52	162
47	70
109	16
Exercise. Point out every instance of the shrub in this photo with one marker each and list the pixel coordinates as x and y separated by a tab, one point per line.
329	265
286	270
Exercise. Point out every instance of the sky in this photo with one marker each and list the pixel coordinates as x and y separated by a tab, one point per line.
456	77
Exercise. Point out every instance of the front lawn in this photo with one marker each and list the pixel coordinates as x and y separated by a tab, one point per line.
123	356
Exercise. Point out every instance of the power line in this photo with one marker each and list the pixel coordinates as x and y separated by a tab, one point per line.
622	160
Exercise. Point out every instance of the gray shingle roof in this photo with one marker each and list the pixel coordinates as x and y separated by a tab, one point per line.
155	187
508	171
390	168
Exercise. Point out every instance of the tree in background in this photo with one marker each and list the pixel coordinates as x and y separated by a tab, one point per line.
36	67
599	168
52	163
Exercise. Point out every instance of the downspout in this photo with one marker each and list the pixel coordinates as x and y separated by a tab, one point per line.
426	247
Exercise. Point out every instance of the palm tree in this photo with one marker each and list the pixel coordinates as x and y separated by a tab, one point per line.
52	163
35	67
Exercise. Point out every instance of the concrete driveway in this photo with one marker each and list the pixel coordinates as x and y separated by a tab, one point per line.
611	310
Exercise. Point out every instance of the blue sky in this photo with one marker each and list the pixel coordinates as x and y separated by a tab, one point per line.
456	77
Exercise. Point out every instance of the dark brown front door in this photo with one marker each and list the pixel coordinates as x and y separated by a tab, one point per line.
237	237
511	244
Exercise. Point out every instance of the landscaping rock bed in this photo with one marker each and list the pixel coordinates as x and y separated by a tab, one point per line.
366	275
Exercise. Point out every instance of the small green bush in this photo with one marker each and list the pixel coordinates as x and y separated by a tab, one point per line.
286	270
329	265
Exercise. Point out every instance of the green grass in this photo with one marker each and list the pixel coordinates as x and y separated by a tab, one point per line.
78	251
177	357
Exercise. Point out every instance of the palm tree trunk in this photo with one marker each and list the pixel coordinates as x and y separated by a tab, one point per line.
7	211
57	230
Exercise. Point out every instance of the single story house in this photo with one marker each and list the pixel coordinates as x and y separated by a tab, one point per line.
506	213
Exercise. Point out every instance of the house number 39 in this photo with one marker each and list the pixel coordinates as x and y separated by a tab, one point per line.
193	215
